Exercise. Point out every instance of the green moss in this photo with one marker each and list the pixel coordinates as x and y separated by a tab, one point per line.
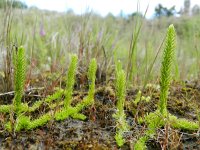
5	108
119	138
8	126
140	144
79	116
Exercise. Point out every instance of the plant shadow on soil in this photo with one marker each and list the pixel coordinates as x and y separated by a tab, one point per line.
98	130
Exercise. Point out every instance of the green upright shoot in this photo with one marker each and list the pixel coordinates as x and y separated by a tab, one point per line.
120	116
70	81
89	99
91	78
166	68
19	76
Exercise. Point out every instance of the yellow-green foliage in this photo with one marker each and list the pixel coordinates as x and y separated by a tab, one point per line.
19	76
168	57
121	91
70	81
161	117
118	67
88	100
92	77
40	121
64	113
5	108
55	96
24	107
35	106
183	123
120	116
140	144
154	120
8	126
22	122
138	97
119	138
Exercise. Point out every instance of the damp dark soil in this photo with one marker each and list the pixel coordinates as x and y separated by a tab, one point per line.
98	130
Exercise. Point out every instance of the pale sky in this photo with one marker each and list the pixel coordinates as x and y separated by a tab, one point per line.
103	7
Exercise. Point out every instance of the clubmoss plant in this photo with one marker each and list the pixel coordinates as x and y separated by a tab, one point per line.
35	106
64	113
70	81
19	76
121	91
17	108
181	123
161	117
156	119
40	121
55	96
22	122
48	100
88	100
120	116
166	67
91	79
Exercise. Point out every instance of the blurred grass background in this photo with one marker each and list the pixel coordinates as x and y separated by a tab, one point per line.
50	38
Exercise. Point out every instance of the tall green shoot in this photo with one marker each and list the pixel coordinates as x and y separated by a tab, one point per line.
166	68
92	77
19	76
155	120
70	81
89	99
120	115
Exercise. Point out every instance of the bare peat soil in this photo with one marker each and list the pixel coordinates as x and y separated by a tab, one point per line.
98	130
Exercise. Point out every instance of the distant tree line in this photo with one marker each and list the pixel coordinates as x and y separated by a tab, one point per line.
164	11
161	11
13	3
